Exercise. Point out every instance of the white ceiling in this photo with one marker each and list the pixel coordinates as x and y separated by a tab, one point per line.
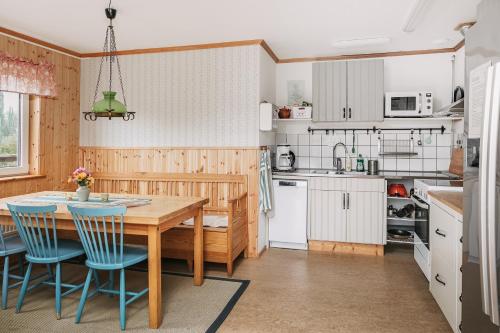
293	28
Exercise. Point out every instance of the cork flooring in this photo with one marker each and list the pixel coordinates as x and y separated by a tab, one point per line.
297	291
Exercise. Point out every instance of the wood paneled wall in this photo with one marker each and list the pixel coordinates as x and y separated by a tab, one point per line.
235	161
54	122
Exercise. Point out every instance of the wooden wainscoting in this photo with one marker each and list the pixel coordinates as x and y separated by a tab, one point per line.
54	123
229	161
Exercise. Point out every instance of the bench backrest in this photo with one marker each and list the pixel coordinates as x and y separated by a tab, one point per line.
218	188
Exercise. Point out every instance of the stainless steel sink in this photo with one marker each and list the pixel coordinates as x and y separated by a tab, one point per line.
335	172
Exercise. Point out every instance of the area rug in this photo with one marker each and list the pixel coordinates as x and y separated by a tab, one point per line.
186	308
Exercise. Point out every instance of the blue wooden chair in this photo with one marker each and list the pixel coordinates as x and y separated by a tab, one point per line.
101	233
10	244
37	228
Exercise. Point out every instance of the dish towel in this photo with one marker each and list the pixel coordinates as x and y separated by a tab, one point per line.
265	175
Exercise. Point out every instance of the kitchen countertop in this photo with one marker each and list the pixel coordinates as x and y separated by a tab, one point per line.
354	174
453	200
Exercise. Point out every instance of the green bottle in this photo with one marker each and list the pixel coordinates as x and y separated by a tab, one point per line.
360	164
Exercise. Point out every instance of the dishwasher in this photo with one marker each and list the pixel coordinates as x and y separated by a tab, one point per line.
288	226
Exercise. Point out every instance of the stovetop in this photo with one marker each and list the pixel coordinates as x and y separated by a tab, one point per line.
431	184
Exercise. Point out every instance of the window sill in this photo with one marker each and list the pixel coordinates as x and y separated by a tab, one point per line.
20	177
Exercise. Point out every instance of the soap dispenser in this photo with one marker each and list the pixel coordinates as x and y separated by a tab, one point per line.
360	164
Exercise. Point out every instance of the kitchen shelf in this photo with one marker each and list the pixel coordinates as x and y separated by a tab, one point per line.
395	218
293	119
410	240
399	198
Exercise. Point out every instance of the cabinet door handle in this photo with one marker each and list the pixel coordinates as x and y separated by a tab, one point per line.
343	200
348	201
462	239
350	113
461	299
438	232
344	113
439	280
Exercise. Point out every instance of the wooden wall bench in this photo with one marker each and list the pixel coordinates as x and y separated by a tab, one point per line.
227	196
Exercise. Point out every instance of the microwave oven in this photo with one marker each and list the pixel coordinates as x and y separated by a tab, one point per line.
408	104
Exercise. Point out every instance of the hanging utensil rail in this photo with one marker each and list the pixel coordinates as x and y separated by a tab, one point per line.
374	129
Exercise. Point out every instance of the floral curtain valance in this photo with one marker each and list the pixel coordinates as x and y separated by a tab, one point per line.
24	76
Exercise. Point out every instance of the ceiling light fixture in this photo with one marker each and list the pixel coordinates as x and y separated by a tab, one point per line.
109	107
416	14
361	42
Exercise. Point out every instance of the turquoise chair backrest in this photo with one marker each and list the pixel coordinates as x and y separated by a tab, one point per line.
101	232
2	242
36	226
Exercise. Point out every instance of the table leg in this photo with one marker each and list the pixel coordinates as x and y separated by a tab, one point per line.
198	248
154	276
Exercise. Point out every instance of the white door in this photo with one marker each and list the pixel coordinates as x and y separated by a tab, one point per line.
328	217
365	217
288	226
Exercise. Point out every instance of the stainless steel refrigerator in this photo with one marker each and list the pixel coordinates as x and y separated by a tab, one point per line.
481	221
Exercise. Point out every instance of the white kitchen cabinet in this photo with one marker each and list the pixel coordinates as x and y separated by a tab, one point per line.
365	87
446	252
365	213
327	216
330	91
347	210
348	90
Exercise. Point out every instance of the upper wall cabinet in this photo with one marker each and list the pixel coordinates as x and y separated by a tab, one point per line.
348	90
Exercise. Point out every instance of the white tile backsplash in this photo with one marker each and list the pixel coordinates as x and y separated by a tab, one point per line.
316	151
315	139
443	152
292	139
303	139
304	151
430	152
315	163
443	164
430	165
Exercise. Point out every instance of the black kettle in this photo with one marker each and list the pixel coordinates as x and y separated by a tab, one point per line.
458	94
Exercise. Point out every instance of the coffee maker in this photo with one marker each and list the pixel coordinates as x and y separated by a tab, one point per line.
285	158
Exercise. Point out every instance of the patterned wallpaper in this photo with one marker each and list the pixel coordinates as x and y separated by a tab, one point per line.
193	98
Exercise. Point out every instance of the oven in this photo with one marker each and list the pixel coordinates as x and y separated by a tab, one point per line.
421	248
421	220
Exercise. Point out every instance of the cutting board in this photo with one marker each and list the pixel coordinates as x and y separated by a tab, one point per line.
457	161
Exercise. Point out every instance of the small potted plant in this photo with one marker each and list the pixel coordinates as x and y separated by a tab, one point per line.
84	179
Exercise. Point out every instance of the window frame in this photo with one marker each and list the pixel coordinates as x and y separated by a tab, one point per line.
23	137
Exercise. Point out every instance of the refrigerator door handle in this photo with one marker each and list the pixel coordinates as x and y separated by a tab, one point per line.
491	197
483	202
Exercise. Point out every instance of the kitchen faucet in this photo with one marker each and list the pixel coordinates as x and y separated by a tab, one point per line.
337	161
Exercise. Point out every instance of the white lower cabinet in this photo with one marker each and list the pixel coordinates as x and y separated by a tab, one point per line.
446	254
347	210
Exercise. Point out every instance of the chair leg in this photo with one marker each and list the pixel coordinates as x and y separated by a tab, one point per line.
111	282
58	290
97	281
122	299
5	282
49	271
229	268
20	258
24	287
83	298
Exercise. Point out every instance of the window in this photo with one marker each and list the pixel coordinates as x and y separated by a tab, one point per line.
13	133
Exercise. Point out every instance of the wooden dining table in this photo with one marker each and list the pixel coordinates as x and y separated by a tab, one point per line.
151	220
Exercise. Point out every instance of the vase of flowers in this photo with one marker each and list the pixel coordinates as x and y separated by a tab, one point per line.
84	180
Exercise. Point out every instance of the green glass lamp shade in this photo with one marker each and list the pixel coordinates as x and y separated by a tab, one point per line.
109	104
